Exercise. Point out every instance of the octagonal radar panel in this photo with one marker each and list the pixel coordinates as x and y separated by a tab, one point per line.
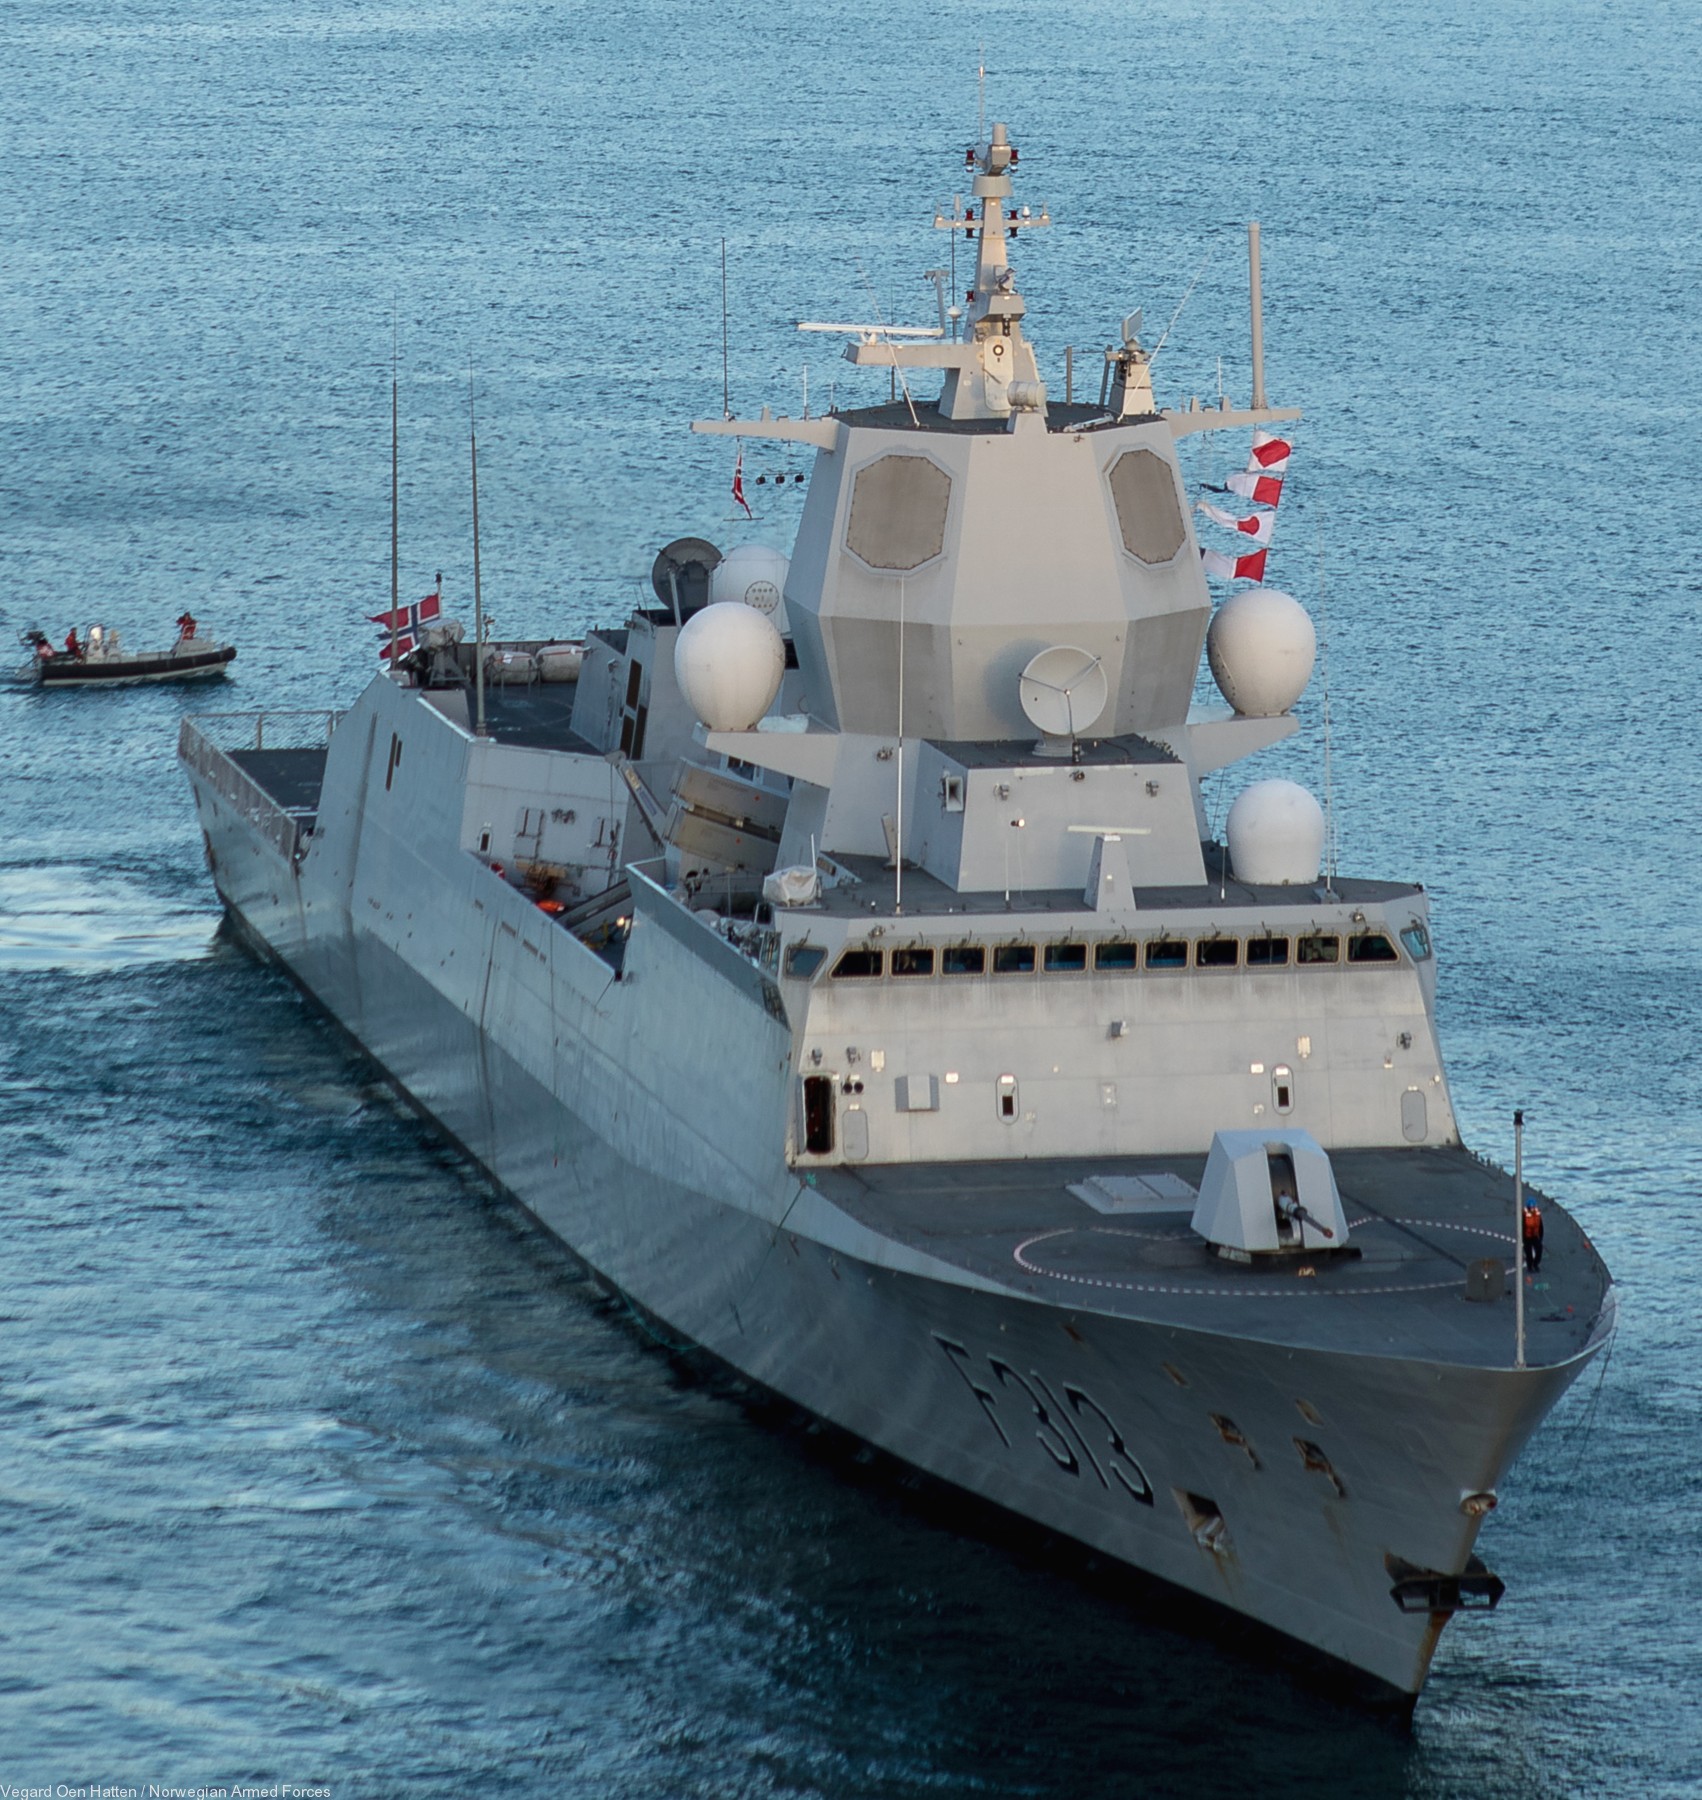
1063	691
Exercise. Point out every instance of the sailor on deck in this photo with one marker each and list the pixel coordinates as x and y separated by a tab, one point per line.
185	627
72	647
1533	1235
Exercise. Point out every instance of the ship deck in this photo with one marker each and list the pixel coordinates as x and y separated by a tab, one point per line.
874	895
1417	1217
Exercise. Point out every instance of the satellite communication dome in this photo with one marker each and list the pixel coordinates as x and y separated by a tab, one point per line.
1261	647
729	661
756	575
1276	834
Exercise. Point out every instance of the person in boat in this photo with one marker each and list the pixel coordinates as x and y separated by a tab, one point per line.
72	647
185	627
1533	1236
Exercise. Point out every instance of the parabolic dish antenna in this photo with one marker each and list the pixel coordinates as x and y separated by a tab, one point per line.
1063	691
689	561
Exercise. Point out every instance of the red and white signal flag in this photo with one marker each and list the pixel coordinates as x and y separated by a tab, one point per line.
1257	526
739	484
1270	454
1262	490
1235	568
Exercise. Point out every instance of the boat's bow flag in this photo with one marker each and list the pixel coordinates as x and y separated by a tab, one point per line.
1235	568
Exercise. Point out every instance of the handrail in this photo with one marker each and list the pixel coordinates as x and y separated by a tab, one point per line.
284	830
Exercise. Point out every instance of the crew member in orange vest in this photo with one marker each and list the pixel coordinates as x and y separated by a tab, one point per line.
72	647
1533	1235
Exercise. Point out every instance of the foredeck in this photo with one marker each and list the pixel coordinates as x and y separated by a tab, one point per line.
1417	1217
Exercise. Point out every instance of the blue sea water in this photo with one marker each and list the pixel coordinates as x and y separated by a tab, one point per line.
317	1463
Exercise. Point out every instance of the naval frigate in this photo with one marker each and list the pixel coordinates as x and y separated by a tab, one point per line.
837	958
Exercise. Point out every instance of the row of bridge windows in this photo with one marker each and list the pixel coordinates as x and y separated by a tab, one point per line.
864	962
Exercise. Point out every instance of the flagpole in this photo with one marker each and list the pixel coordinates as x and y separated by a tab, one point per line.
395	506
478	591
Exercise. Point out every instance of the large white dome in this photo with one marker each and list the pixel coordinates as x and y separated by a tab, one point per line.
754	574
729	661
1261	647
1276	834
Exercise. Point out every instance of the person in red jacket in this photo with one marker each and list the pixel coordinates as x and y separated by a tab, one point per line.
1533	1236
72	647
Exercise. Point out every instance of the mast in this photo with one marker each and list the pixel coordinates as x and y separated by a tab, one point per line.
395	508
478	591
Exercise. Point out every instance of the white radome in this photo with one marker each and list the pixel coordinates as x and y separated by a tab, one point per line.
729	661
1261	647
1276	835
754	575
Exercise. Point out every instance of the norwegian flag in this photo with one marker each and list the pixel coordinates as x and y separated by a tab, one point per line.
739	484
1262	490
1270	454
404	646
1235	568
410	618
1257	526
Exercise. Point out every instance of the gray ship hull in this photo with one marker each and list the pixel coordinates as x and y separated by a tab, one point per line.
640	1121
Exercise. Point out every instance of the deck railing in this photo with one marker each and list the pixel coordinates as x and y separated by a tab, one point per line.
205	742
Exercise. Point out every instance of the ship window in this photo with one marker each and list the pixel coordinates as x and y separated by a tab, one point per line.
1065	959
913	962
1319	950
963	959
1267	952
803	960
1167	953
1417	941
1013	959
1371	947
818	1114
856	965
1217	953
1119	954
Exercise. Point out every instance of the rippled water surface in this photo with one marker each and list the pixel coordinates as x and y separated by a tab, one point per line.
317	1463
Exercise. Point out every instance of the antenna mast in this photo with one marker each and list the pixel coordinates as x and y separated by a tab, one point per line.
395	504
478	592
898	834
1255	299
726	400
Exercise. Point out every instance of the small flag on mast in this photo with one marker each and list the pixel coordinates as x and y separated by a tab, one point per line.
1270	454
405	622
739	484
1262	490
1235	568
1257	526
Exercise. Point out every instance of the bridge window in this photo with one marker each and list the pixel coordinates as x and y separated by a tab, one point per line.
1217	953
1013	959
804	960
1267	952
963	959
1116	954
913	962
1371	947
1417	941
858	965
1319	950
1065	959
1167	953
